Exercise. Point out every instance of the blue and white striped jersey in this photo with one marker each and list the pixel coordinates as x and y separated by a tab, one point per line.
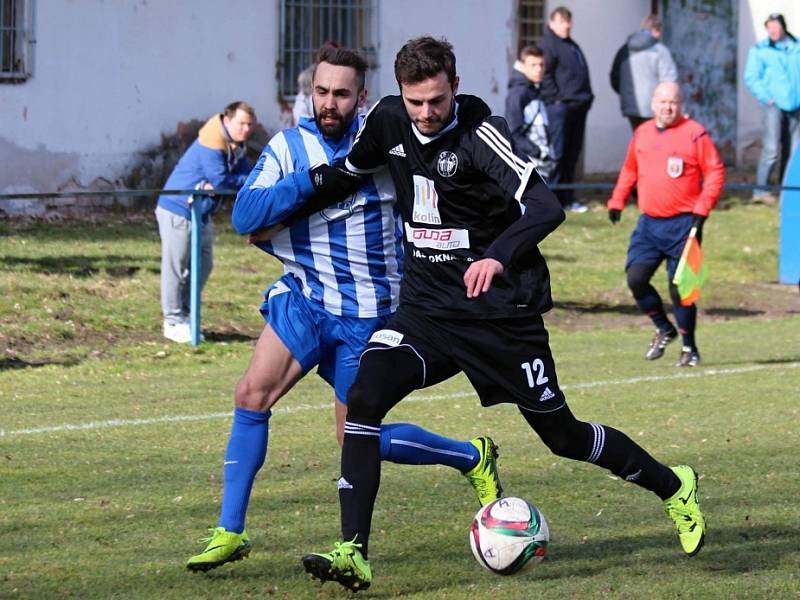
348	256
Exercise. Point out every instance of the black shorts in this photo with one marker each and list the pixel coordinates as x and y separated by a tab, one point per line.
505	360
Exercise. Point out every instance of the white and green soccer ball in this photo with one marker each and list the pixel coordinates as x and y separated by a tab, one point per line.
508	534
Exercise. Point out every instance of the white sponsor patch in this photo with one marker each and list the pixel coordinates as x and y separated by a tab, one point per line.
674	167
438	239
343	484
426	202
386	336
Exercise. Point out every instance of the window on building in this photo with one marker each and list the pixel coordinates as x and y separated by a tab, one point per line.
307	24
16	40
530	22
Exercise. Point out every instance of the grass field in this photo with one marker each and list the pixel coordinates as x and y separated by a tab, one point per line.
111	440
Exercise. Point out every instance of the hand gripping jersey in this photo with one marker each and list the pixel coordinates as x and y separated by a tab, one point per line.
462	194
348	257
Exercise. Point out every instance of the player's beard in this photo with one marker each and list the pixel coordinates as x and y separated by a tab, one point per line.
341	124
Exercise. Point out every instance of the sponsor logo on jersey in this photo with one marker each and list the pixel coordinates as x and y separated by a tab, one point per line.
435	258
426	202
674	167
398	151
438	239
389	337
547	394
447	164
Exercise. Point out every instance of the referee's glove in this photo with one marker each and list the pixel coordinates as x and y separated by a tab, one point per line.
335	182
614	215
698	221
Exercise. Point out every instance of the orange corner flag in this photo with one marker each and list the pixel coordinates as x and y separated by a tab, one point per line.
691	273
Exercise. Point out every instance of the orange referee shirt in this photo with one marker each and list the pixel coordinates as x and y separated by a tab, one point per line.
676	170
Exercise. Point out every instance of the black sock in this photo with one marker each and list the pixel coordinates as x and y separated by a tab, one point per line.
618	453
686	316
361	475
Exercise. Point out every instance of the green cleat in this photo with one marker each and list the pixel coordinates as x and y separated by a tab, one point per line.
483	477
344	565
223	546
685	511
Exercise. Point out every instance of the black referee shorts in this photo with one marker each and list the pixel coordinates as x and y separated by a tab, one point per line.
505	360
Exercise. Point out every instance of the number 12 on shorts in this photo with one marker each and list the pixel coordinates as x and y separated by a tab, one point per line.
534	371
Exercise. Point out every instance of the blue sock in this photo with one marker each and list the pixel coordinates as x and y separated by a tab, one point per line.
247	449
409	444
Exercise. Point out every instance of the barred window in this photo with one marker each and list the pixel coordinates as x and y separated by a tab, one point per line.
307	24
16	40
530	22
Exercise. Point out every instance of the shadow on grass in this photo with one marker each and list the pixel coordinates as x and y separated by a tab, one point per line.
228	336
732	312
118	266
597	308
9	363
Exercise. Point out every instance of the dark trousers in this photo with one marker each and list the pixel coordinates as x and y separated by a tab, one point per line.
567	125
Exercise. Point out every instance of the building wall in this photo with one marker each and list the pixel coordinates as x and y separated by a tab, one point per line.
482	35
110	77
600	32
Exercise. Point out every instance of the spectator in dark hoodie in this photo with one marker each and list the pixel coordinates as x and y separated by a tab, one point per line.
526	113
639	66
568	94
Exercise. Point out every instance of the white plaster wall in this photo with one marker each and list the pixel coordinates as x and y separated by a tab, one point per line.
482	34
600	28
111	76
752	14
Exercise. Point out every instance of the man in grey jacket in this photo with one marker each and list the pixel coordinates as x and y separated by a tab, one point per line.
639	66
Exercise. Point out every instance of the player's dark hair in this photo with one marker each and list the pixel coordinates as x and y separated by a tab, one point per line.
423	58
563	12
343	57
231	109
530	50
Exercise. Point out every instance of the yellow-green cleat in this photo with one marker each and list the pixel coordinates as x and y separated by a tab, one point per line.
483	477
684	509
223	547
345	565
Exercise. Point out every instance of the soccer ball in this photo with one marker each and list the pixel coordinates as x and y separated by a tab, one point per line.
507	534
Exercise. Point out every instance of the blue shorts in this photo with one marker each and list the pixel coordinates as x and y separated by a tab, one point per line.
656	239
314	336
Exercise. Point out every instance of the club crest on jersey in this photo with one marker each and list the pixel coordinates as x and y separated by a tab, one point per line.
674	167
447	164
344	209
426	202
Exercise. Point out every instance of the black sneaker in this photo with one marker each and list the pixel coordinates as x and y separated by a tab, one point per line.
660	341
689	357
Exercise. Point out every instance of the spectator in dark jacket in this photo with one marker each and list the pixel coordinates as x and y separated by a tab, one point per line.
639	66
568	94
216	160
526	113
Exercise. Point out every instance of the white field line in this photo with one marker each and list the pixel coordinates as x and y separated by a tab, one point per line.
294	408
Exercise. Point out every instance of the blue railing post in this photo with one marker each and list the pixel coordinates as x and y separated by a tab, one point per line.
789	253
195	270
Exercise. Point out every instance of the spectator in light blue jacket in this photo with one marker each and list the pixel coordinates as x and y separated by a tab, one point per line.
772	74
216	160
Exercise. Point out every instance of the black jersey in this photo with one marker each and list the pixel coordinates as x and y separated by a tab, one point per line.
461	195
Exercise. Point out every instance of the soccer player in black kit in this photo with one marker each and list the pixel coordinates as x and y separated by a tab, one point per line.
472	295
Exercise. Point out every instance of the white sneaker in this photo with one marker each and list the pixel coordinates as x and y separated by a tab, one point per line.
178	332
576	207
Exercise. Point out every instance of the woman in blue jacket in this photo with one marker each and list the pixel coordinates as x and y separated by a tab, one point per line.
216	160
772	74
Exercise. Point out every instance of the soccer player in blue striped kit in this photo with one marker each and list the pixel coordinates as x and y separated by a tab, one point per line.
342	268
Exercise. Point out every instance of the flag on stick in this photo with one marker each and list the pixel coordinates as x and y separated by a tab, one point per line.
691	273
